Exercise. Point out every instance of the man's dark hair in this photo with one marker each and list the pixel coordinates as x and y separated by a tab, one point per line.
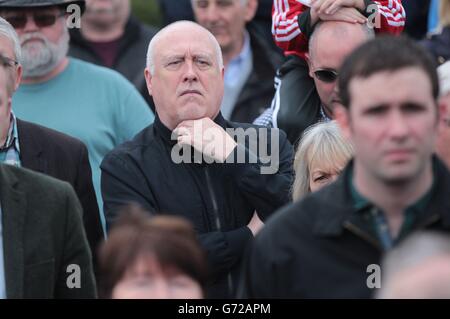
385	53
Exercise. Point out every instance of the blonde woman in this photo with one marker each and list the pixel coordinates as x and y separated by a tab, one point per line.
321	155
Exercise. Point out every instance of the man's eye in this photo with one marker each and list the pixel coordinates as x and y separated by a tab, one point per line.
376	110
413	107
202	4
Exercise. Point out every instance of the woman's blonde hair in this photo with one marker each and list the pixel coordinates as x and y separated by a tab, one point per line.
444	13
320	142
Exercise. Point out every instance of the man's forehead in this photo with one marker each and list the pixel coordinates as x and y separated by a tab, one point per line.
181	46
411	84
170	54
6	46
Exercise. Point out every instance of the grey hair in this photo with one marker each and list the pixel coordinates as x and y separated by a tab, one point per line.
8	31
368	31
163	31
414	251
322	141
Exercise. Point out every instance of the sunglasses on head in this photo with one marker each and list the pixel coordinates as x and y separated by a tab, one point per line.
326	75
41	19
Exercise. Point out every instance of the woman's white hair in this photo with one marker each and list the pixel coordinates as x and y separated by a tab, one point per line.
8	32
321	142
163	31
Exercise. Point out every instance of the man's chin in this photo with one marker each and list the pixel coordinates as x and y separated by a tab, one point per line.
400	174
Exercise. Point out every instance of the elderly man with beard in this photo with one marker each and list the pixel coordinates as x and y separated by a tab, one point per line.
94	104
111	36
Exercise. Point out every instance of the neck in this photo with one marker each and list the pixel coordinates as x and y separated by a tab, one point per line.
232	52
393	198
44	78
94	33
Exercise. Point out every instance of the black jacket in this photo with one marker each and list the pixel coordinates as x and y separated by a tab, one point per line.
66	158
257	93
142	171
297	101
131	58
439	45
320	247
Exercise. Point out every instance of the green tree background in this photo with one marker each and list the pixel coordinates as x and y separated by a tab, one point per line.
147	11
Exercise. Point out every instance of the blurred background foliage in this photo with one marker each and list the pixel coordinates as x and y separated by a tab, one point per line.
147	11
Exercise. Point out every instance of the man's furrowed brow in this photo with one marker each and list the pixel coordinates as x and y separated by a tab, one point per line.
172	56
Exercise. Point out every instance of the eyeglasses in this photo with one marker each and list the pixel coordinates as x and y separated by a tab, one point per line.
326	75
5	61
41	19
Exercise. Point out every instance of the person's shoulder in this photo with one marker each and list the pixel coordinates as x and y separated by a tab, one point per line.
299	219
261	132
133	148
147	31
95	73
48	136
34	183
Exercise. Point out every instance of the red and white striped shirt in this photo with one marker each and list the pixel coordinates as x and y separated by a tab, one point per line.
288	33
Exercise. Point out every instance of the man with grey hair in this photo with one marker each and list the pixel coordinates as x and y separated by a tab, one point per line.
24	144
41	228
250	63
187	163
419	268
94	104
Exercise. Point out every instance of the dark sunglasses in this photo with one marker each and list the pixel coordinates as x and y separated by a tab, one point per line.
41	19
7	62
326	75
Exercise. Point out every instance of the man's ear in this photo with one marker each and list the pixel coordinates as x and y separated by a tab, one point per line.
250	10
148	80
308	60
18	78
342	117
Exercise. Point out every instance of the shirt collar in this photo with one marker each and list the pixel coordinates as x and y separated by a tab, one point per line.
245	52
360	203
13	135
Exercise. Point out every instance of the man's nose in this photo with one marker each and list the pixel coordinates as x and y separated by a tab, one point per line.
190	73
398	126
30	25
212	12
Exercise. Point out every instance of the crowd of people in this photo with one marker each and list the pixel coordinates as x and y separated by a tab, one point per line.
248	148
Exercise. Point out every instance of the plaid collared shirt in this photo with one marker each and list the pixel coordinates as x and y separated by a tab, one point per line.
10	151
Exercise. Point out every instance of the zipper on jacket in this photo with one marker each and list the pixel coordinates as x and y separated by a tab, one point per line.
359	232
217	219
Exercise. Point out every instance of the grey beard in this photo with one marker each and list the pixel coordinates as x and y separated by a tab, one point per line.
40	58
